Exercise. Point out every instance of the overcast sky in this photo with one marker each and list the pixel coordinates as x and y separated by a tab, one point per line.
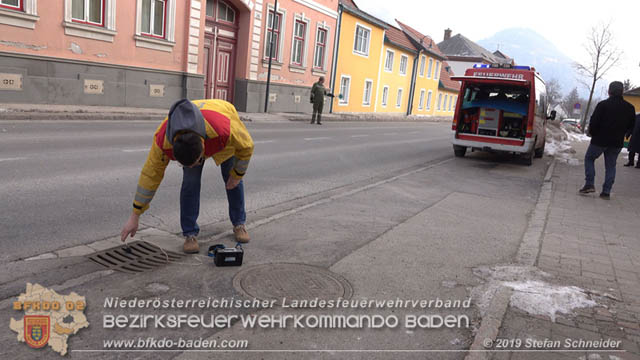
564	23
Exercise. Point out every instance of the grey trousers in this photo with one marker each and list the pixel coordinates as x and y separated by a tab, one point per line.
317	112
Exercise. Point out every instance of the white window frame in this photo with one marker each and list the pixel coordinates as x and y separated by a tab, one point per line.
385	95
421	101
404	58
446	98
423	60
438	107
24	16
345	96
436	76
85	20
355	39
450	101
399	97
305	39
429	97
430	68
152	20
388	65
367	102
150	42
283	15
327	30
105	32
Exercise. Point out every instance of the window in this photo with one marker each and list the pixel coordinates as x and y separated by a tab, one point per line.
153	18
450	101
399	98
385	95
11	4
321	45
430	68
446	97
345	82
437	74
366	97
361	44
87	11
388	62
403	64
273	35
439	101
429	100
299	31
225	12
422	60
421	103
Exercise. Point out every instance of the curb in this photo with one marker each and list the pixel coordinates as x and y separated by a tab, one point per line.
527	256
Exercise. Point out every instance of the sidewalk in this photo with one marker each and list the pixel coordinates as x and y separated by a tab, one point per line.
75	112
592	244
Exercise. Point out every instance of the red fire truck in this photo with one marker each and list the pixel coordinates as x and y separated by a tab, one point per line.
501	108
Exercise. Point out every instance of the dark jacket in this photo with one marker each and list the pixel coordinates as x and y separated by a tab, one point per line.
611	120
318	91
634	144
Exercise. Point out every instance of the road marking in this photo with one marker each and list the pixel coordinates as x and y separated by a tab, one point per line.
135	150
263	141
317	138
13	159
357	136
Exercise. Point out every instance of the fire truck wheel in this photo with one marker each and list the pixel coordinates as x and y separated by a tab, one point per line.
459	151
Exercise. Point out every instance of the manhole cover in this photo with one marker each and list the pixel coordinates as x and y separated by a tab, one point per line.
142	257
293	281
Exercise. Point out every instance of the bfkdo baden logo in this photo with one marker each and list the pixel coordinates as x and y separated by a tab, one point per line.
49	318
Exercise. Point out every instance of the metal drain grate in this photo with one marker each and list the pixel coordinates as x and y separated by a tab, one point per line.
143	257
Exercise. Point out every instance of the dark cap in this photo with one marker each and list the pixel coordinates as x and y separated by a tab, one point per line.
616	88
185	116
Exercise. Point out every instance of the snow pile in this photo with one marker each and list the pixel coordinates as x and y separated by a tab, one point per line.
537	297
531	293
559	143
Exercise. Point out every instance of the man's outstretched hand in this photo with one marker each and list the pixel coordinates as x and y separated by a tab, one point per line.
131	227
232	183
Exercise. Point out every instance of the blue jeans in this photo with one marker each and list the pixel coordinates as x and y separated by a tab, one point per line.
610	158
190	198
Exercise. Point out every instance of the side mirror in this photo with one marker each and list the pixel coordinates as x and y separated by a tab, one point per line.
552	116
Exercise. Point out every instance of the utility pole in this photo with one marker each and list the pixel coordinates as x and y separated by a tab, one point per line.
273	30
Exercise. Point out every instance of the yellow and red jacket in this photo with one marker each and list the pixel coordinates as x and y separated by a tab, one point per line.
226	137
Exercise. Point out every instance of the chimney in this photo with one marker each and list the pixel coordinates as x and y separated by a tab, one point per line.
447	34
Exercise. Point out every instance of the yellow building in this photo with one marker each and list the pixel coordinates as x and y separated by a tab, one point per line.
633	96
427	72
447	92
396	72
359	56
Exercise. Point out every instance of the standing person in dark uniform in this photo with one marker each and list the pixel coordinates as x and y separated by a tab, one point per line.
611	120
318	92
634	144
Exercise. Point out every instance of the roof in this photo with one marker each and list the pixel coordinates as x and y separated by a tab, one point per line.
445	78
396	37
633	92
503	58
423	41
349	3
460	46
363	15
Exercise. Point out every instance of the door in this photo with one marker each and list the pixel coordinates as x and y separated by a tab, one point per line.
224	67
208	75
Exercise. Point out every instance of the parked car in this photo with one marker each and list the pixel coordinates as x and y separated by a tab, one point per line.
571	122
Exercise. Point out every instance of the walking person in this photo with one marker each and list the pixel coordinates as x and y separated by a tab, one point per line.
611	120
634	144
191	133
318	92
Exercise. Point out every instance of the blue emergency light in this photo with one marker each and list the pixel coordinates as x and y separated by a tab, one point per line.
522	67
480	66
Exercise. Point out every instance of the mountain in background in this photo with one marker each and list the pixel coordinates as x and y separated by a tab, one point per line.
528	47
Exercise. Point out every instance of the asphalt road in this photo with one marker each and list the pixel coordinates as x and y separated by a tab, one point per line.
69	183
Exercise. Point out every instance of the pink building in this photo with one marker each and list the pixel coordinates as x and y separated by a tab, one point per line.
149	53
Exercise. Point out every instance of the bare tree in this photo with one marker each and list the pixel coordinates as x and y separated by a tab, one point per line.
554	92
604	56
628	85
570	100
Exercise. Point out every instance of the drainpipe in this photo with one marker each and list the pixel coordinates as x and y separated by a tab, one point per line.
334	65
412	89
273	30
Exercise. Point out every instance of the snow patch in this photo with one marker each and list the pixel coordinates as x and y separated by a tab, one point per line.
559	144
531	293
540	298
